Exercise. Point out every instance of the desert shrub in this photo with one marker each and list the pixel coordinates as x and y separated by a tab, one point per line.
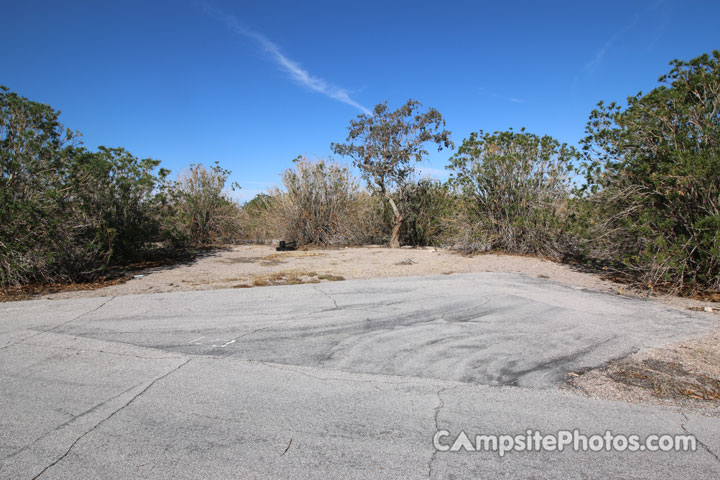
652	197
66	212
254	216
117	195
320	204
373	219
202	211
426	206
35	150
513	189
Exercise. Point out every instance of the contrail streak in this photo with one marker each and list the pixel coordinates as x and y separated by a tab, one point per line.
297	73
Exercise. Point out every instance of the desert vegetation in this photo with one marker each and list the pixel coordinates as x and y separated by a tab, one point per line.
513	190
67	213
321	203
639	197
384	145
651	200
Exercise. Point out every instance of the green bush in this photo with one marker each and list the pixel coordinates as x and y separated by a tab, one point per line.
34	154
320	204
254	219
201	212
426	205
65	212
513	189
652	199
117	195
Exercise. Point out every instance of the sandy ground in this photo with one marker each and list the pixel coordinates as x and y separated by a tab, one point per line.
260	265
684	376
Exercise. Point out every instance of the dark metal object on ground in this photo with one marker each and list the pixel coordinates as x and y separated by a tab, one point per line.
286	246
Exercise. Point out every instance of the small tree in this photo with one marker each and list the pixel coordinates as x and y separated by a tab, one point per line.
385	144
35	152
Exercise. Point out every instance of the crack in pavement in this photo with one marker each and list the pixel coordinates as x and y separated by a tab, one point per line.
441	404
60	325
438	408
247	334
68	422
59	459
705	447
317	289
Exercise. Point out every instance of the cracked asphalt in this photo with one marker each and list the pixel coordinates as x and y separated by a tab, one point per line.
349	379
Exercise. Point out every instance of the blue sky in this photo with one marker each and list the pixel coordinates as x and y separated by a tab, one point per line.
255	84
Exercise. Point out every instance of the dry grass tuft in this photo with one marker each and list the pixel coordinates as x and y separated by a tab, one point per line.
289	278
667	380
331	278
240	260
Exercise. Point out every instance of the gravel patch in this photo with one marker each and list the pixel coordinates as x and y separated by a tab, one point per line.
684	376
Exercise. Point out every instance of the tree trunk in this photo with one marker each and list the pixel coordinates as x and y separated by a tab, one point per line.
395	238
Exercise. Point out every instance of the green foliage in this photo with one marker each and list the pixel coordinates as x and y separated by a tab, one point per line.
427	204
35	198
259	204
384	146
254	219
652	199
117	194
513	189
66	212
202	212
650	203
320	204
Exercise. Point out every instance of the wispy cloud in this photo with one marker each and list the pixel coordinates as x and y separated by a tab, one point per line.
501	97
600	54
293	68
